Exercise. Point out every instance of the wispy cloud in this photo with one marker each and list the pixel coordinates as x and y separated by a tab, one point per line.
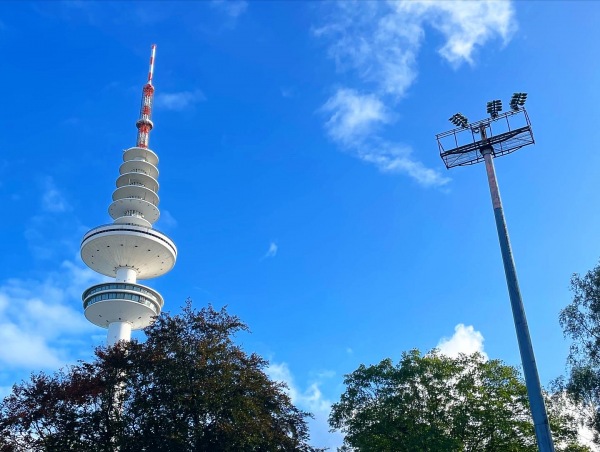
272	251
398	158
354	122
466	26
72	121
50	231
53	200
310	399
167	220
178	101
354	116
465	340
286	92
380	42
232	8
375	41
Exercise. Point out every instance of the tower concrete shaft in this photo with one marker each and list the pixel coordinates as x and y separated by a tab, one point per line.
129	248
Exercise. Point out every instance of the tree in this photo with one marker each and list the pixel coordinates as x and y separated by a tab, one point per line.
436	403
580	321
188	387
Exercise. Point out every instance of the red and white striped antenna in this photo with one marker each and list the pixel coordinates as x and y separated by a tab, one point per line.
144	124
151	71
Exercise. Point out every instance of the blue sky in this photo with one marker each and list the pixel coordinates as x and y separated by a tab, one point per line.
300	177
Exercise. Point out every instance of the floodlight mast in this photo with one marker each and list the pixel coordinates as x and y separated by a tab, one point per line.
486	148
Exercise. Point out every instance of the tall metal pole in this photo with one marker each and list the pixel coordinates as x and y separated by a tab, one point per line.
532	379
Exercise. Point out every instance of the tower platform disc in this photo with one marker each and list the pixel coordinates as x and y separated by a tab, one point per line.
139	166
106	312
149	252
136	153
137	178
121	207
110	302
136	192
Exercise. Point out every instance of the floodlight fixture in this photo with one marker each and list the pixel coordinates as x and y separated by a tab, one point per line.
494	107
459	120
485	146
517	100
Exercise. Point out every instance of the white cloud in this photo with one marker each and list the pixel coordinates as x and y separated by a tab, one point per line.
24	349
395	158
167	220
42	326
55	218
353	116
53	200
465	25
379	42
179	100
38	318
376	42
464	340
584	433
353	122
232	8
310	399
272	251
286	92
581	412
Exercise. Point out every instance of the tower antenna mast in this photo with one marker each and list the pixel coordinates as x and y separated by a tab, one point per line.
459	148
144	124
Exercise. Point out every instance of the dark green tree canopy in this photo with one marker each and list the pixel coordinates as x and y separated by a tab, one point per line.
580	321
188	387
436	403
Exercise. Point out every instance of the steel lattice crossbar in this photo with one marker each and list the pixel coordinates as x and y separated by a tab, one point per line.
458	148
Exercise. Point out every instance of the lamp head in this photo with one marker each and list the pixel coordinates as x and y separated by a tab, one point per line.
517	101
494	107
459	120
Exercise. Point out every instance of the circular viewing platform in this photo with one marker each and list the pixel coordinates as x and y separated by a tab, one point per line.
147	251
129	207
144	154
136	304
139	166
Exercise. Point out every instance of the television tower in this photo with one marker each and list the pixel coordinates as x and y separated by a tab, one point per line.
129	249
511	131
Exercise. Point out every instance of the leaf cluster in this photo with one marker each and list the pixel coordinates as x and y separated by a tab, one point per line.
433	402
187	387
580	321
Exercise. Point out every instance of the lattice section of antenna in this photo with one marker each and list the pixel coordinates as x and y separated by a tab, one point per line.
144	123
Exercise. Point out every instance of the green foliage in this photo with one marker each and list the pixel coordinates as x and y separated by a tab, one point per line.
580	321
188	387
436	403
